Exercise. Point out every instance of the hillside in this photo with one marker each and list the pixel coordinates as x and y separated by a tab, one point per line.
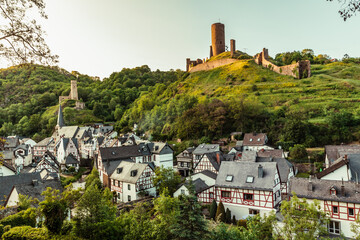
246	97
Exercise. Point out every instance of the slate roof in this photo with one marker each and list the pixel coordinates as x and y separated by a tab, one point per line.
12	142
188	151
124	152
254	139
275	153
44	142
333	152
100	140
68	131
206	148
70	159
212	156
248	156
208	173
28	189
354	165
8	155
200	185
7	183
283	165
240	171
127	167
158	147
321	190
60	119
7	165
336	165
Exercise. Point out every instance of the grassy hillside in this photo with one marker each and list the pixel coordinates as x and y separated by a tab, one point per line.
252	98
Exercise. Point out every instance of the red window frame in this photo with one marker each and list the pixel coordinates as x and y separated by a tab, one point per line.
249	194
223	191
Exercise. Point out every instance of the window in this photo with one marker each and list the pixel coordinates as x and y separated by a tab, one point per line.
249	179
118	183
211	195
334	227
248	197
335	210
225	194
229	178
147	174
129	187
351	211
113	182
254	211
129	197
181	164
118	195
183	191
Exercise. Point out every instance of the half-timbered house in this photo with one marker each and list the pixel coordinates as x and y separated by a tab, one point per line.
49	163
255	142
184	162
248	188
210	161
131	180
339	199
202	149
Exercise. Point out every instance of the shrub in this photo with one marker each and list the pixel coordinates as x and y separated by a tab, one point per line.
23	218
242	223
220	213
26	232
213	209
71	169
228	216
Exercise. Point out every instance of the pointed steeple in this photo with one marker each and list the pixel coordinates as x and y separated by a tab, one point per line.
60	120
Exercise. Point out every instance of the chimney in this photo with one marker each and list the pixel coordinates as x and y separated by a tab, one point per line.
342	188
218	158
260	171
35	182
310	185
346	157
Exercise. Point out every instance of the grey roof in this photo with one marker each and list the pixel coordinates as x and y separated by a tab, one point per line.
23	147
206	148
12	142
127	168
68	131
282	164
100	140
8	155
60	119
248	156
213	158
35	191
354	164
7	183
334	152
10	167
70	159
44	142
160	148
240	171
208	173
321	190
200	185
275	153
239	143
124	152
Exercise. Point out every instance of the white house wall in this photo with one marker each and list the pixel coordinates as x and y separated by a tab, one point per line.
13	198
177	193
165	160
338	174
4	171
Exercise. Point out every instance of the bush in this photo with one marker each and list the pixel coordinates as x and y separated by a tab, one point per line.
220	213
228	216
213	209
71	169
242	223
23	218
26	232
298	152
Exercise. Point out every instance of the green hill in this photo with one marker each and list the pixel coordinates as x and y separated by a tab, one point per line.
246	97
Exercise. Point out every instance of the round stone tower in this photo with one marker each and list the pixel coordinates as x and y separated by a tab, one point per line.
218	38
73	91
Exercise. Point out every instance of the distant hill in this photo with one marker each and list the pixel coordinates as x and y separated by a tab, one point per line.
246	97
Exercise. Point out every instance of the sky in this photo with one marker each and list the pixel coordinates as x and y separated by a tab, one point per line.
101	37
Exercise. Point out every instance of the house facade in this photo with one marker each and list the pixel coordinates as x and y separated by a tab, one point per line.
255	142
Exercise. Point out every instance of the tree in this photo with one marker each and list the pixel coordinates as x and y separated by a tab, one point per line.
190	223
350	8
302	220
220	213
93	177
228	216
166	178
21	40
298	152
355	228
213	209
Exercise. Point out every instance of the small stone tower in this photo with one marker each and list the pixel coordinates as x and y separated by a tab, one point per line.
74	92
218	38
232	47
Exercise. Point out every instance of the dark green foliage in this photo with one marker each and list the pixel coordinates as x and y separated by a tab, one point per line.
242	223
213	209
93	177
26	232
22	218
166	178
233	220
228	216
220	213
298	152
190	224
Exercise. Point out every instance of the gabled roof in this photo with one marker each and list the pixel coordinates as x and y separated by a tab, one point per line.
44	142
200	185
11	142
8	166
333	152
124	152
215	159
208	173
68	131
283	165
160	148
254	139
275	153
336	165
127	168
206	148
23	147
248	156
241	170
321	190
7	183
70	159
60	119
8	155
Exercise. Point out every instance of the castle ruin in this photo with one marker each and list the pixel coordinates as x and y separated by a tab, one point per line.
301	69
73	96
217	47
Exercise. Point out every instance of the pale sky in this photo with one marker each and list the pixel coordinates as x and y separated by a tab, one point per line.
100	37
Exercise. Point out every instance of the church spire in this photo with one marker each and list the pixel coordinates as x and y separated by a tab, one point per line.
60	120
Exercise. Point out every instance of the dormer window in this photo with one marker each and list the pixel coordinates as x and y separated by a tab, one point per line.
133	173
113	153
249	179
229	178
258	139
333	191
251	140
119	170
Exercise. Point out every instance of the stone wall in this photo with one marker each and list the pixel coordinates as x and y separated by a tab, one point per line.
212	64
301	69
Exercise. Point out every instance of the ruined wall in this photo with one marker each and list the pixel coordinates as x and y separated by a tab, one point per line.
192	63
301	69
213	64
218	38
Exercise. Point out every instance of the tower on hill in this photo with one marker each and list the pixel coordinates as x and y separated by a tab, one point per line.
73	91
217	38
